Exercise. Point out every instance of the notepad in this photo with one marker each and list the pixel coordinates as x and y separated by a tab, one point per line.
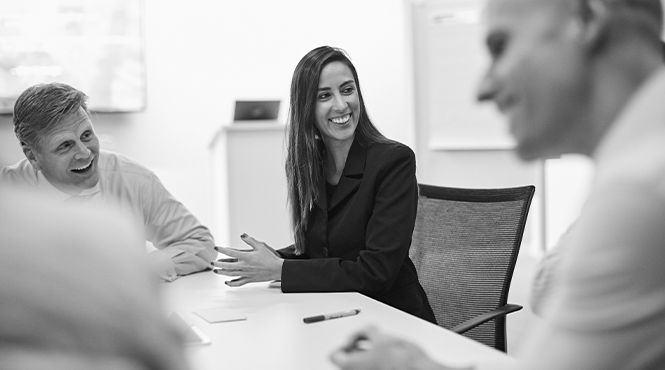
191	335
216	315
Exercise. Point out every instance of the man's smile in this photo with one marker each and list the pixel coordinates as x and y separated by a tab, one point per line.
84	169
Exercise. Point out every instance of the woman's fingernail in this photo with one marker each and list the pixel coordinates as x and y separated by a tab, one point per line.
217	249
243	235
226	282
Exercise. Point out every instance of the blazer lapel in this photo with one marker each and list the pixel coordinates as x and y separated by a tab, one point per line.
352	175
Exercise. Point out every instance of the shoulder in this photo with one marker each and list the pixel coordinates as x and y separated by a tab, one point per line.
18	173
389	158
389	151
116	165
614	261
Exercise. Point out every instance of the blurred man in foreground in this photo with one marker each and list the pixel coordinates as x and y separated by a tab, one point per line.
76	294
63	160
582	76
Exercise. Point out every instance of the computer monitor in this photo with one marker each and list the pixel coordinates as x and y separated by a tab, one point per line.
254	110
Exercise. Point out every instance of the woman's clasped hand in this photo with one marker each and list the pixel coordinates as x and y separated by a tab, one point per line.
261	263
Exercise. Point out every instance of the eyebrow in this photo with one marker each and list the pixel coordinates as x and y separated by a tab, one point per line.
60	138
343	84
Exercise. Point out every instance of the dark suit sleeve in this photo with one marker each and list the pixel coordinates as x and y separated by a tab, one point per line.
290	252
387	237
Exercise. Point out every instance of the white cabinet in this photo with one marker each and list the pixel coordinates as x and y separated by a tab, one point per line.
250	184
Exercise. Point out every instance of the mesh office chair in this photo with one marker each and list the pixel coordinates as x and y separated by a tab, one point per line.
465	246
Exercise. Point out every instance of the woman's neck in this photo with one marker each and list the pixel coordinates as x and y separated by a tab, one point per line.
337	151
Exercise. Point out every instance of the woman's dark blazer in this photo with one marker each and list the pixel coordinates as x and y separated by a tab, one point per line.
359	240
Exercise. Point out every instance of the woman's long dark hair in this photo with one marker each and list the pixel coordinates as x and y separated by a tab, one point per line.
306	151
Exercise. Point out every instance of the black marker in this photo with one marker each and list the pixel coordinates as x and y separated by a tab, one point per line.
330	316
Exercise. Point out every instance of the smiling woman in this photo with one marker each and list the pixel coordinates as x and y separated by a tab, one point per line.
337	110
353	196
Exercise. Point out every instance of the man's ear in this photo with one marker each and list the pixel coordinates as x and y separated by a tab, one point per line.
30	155
596	23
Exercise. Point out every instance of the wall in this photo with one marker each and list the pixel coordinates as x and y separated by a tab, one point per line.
460	142
203	55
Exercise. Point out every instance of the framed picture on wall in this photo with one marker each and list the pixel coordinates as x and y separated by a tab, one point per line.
95	46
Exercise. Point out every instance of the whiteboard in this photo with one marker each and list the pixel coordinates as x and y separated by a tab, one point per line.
95	46
449	60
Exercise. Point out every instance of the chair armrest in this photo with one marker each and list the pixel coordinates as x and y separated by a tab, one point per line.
485	317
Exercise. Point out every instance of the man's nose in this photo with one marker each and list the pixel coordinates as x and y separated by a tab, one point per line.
82	151
486	88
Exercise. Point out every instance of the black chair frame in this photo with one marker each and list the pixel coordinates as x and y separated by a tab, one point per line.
523	193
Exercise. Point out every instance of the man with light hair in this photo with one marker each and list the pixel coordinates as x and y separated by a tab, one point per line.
587	77
64	161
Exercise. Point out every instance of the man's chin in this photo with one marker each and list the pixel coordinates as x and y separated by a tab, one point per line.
529	152
88	183
92	182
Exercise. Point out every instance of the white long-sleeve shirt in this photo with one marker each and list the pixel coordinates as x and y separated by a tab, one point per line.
608	309
184	245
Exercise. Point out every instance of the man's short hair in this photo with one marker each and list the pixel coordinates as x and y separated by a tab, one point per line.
41	107
654	8
644	17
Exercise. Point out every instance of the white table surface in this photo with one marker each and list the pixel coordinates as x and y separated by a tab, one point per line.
275	337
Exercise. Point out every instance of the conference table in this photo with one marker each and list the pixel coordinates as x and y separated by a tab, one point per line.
274	336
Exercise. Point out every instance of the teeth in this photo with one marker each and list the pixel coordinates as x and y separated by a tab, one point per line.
341	120
83	168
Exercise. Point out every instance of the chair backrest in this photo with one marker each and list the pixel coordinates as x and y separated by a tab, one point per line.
465	246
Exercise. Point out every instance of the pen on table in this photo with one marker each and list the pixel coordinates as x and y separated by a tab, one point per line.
330	316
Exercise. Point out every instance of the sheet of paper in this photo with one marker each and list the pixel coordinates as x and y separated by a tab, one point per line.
215	315
191	335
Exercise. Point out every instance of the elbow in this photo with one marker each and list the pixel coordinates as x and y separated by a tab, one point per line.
377	282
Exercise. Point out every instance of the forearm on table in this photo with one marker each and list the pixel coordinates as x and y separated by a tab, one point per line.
173	229
335	275
189	258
